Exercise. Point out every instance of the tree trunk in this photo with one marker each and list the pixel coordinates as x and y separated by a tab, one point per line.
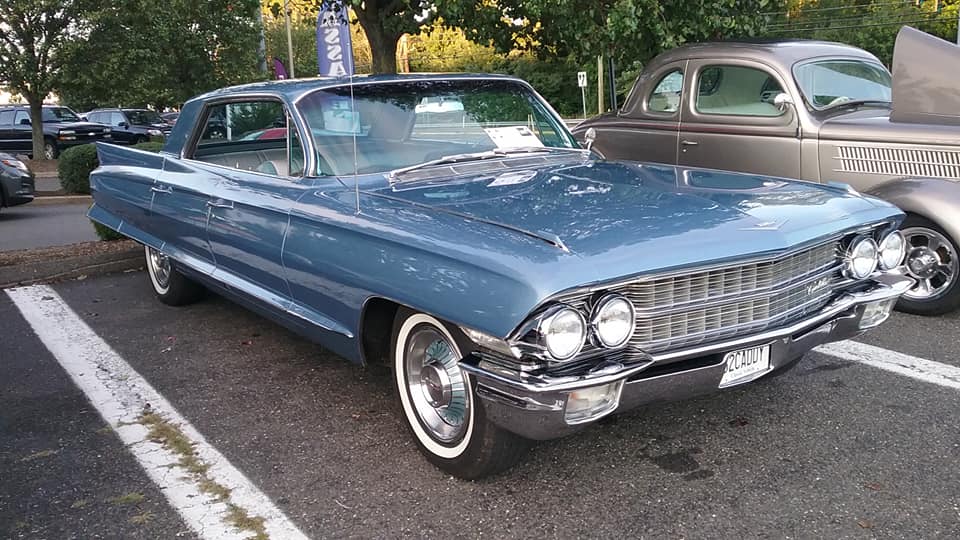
36	122
383	47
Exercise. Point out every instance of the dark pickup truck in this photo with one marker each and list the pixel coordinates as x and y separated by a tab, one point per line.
62	128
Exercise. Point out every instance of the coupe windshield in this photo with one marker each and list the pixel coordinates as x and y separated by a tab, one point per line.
405	124
59	114
828	83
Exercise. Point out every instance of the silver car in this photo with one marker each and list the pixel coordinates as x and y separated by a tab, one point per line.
16	181
817	111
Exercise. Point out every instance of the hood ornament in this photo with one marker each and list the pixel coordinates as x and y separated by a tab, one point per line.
765	226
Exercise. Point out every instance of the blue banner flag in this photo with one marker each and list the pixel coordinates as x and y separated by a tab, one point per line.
334	46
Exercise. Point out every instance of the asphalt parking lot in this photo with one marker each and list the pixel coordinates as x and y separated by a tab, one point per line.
833	449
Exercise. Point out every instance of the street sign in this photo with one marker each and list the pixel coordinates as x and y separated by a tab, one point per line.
582	79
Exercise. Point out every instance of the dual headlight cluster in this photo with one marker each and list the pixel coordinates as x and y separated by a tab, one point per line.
865	255
564	329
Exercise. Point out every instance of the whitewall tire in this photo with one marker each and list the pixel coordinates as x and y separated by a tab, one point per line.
171	287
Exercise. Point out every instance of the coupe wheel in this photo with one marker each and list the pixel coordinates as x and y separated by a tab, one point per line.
172	287
932	261
439	403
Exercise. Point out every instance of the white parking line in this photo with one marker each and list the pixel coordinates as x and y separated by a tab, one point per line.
121	396
899	363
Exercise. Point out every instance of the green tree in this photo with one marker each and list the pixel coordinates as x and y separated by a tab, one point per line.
383	22
32	38
159	53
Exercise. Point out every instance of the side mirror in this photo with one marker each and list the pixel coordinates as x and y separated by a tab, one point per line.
24	121
590	136
123	125
782	101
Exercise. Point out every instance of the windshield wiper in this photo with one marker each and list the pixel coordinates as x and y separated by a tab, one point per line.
856	103
477	156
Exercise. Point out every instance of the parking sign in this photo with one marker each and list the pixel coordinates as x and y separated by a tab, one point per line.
582	79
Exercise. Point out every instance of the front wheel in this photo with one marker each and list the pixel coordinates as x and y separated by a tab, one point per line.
50	150
439	402
932	261
172	287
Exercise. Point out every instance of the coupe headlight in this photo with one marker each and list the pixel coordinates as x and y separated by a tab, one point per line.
563	331
861	258
612	320
893	248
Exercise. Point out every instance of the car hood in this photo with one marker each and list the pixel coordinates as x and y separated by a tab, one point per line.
875	125
625	218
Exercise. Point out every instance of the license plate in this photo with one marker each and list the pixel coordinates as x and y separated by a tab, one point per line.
740	365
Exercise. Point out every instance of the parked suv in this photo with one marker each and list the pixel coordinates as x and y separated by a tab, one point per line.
131	126
62	128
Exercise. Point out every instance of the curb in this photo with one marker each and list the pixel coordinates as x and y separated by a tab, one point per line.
40	198
83	266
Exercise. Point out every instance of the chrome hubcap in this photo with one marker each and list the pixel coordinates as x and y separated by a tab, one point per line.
160	264
437	388
932	261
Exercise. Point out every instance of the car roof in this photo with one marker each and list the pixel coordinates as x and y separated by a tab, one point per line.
293	88
785	52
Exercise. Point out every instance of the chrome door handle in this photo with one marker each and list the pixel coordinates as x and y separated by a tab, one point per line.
220	204
689	143
161	189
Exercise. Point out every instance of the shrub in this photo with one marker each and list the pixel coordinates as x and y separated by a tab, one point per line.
75	166
106	233
78	162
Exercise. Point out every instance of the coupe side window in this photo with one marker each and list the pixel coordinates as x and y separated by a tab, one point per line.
737	91
253	136
665	97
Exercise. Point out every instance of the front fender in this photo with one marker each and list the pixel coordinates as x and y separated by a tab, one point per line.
936	199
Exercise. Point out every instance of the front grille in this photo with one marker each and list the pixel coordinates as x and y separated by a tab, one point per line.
899	161
689	309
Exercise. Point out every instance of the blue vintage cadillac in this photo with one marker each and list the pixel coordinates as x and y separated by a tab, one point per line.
519	286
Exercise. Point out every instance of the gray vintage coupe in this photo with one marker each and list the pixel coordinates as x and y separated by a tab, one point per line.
817	111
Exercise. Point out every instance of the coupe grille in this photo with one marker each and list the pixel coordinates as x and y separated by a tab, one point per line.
899	161
688	309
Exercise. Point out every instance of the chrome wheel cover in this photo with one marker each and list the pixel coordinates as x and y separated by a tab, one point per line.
160	268
932	261
48	151
436	386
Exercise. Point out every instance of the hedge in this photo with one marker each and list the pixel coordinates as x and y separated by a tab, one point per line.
74	169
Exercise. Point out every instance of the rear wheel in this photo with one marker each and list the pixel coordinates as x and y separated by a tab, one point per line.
172	287
439	404
932	261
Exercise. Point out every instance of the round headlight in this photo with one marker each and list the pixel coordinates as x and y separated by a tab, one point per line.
862	258
613	320
893	248
564	332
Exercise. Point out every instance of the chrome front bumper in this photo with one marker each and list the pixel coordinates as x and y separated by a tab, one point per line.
536	408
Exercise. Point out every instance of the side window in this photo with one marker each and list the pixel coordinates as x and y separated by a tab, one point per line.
20	117
116	118
6	118
665	97
250	135
737	91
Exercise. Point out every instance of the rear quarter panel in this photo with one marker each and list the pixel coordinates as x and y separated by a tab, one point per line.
121	188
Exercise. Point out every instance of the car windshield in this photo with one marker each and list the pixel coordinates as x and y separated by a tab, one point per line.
59	114
828	83
409	123
144	118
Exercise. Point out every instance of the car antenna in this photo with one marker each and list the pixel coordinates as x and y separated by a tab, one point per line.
353	130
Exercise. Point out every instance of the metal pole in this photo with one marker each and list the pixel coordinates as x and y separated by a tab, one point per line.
600	85
286	13
613	86
583	95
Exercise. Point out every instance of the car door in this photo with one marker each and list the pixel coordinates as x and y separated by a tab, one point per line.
6	131
250	206
648	126
22	133
730	122
120	128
